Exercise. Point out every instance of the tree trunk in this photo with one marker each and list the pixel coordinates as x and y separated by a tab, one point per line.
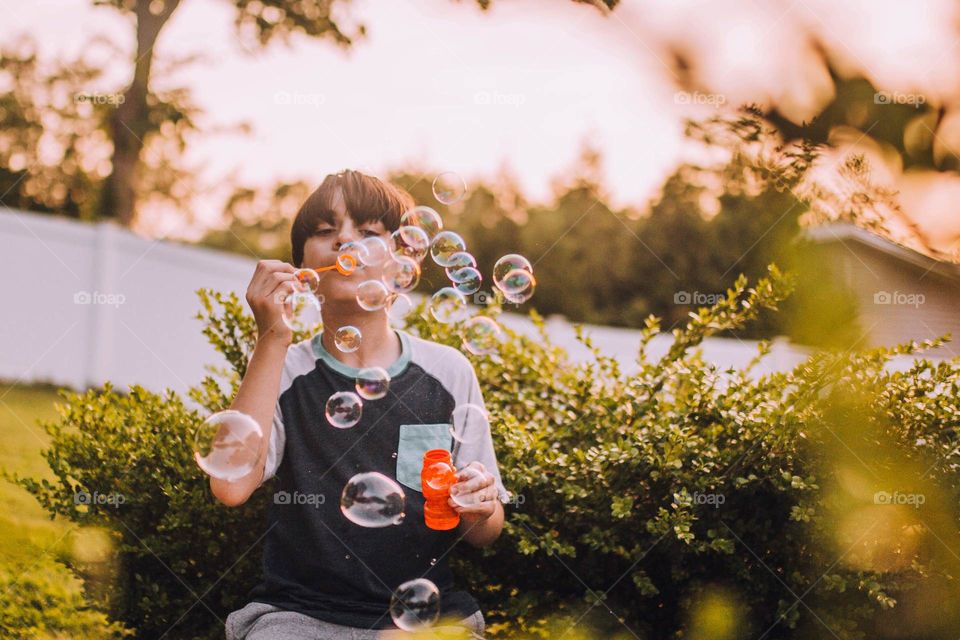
129	123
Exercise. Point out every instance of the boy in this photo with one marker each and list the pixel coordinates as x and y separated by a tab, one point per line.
324	576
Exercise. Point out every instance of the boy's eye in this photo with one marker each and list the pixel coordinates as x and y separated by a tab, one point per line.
369	233
324	231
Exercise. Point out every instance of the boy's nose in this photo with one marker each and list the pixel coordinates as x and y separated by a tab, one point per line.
346	234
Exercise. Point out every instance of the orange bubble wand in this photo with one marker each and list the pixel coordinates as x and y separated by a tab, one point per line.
342	270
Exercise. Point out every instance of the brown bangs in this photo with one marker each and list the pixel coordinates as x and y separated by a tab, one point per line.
367	199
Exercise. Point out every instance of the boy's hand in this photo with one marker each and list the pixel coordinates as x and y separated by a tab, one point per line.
476	497
272	281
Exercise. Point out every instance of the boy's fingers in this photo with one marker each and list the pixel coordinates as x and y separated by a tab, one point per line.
471	470
268	283
479	506
474	484
282	290
266	269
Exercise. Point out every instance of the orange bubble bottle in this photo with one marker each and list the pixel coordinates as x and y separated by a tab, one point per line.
436	478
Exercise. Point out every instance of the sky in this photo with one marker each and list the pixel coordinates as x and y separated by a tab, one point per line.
444	86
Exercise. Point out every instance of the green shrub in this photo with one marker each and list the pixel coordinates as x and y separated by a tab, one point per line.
45	602
681	501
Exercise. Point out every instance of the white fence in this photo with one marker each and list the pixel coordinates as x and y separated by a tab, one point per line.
86	303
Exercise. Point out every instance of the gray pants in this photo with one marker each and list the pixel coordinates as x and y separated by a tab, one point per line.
260	621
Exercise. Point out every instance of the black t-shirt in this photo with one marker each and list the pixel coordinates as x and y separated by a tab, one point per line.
316	561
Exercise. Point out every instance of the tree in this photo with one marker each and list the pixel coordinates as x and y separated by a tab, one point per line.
44	168
54	134
258	220
258	22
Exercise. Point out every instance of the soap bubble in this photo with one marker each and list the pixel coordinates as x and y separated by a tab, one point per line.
460	259
373	251
372	383
517	281
401	274
481	335
519	297
372	295
308	279
449	188
508	263
301	311
415	605
469	423
466	280
440	476
424	218
348	257
466	499
373	500
448	305
347	338
409	241
444	246
344	409
226	446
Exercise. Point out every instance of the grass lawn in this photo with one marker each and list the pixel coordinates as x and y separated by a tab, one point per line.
26	531
42	599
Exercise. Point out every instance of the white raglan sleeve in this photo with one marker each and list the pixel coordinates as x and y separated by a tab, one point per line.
480	449
275	446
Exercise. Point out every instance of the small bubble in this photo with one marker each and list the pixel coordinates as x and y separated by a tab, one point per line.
415	604
372	383
227	444
344	409
449	188
373	500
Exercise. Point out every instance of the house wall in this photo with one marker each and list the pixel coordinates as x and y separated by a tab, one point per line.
898	302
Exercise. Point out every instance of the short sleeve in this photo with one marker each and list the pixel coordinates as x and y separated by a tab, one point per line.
275	446
298	361
479	450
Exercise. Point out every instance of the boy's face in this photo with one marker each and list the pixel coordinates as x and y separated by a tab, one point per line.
321	250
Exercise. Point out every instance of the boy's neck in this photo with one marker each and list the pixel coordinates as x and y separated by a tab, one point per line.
379	344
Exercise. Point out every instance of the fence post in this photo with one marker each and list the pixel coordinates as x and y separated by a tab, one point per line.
103	325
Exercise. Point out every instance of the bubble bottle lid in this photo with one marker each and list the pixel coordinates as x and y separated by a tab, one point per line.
436	477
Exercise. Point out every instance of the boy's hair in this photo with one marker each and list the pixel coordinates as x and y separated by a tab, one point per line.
366	199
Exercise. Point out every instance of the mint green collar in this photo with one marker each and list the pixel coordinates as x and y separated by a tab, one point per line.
351	372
